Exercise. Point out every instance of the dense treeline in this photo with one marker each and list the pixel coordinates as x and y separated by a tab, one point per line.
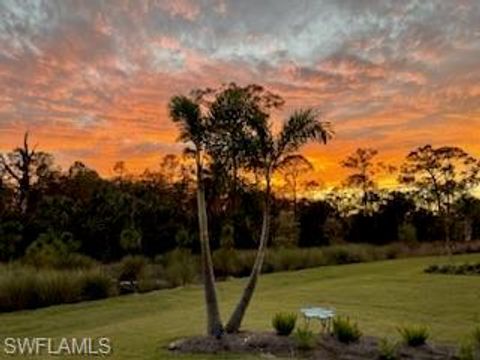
79	211
233	153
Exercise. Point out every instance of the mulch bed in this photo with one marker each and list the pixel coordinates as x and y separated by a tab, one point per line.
327	347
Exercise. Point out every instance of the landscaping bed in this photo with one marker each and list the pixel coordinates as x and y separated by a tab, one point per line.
326	347
454	269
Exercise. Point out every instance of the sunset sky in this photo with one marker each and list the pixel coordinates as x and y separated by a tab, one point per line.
90	79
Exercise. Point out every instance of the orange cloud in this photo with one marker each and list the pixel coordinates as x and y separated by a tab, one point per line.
92	81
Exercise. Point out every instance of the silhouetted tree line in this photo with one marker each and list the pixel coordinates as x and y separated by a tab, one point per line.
233	153
155	212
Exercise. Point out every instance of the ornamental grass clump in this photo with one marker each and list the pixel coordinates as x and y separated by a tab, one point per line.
414	335
284	323
345	330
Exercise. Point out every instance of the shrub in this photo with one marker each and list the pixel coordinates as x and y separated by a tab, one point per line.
132	268
476	337
57	287
227	262
461	269
393	251
180	267
305	339
431	269
338	254
414	335
10	238
287	230
149	284
387	349
407	233
470	349
42	255
466	351
18	290
96	285
75	261
284	323
130	239
227	237
49	248
29	288
345	331
183	238
285	259
56	251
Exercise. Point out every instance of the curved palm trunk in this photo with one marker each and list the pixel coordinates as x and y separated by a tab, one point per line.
235	321
214	323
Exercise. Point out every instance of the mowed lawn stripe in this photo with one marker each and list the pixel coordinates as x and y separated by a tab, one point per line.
381	296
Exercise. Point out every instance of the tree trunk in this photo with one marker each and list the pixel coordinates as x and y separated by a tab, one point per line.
295	197
235	321
214	323
447	227
448	243
467	229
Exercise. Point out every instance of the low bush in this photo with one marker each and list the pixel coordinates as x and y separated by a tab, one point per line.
30	288
48	256
466	351
451	269
96	285
414	335
55	287
476	337
284	323
345	331
238	263
469	349
396	250
338	254
181	267
431	269
286	259
227	262
150	284
18	290
75	261
387	349
304	339
407	233
56	250
132	268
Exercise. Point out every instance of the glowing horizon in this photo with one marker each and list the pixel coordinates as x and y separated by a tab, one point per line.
91	80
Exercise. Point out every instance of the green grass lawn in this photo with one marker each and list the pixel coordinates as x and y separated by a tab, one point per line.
381	296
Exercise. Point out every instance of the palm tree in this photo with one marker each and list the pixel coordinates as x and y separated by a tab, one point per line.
269	153
186	113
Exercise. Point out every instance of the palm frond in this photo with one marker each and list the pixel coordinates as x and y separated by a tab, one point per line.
301	127
187	115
